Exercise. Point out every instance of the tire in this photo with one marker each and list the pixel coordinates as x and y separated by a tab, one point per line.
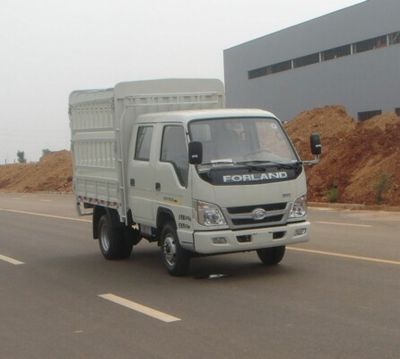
176	259
112	242
271	256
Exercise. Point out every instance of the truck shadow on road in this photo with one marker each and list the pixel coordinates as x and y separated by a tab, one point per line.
223	267
145	262
218	268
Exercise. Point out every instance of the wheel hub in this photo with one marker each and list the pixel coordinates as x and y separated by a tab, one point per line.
170	251
105	241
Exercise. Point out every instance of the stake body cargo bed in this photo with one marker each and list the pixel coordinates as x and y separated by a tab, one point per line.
101	123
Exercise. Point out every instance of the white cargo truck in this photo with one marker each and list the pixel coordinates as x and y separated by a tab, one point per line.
163	160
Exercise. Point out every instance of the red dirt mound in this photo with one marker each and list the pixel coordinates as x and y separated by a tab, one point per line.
360	162
53	173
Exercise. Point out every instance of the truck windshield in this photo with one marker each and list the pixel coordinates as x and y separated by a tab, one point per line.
242	140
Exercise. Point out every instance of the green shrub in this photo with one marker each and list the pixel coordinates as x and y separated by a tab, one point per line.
333	193
381	186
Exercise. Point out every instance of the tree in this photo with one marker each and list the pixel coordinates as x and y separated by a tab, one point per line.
21	157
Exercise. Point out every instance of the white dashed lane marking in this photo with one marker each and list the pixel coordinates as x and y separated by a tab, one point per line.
140	308
10	260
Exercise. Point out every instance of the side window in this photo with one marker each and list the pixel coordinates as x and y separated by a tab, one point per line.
143	143
174	150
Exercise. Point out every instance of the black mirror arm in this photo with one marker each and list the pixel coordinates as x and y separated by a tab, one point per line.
312	162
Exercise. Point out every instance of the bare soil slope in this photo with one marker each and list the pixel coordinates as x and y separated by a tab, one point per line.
360	162
53	173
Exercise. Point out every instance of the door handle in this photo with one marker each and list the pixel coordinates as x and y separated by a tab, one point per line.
158	186
132	181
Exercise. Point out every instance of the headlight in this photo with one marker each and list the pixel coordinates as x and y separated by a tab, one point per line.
299	208
209	214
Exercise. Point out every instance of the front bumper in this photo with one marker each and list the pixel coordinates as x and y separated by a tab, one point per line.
227	241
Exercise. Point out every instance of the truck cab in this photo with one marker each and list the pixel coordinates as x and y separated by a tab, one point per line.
247	192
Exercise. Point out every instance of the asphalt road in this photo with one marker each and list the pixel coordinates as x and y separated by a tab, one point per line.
337	296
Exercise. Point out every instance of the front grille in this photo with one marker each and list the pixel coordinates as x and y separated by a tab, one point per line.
242	217
244	221
249	209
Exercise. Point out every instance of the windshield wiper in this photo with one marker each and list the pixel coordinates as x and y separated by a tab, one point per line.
214	164
262	164
256	165
218	162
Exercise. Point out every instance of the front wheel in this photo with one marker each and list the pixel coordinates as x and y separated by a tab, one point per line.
175	258
271	256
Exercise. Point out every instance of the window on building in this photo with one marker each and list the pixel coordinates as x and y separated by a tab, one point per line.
397	111
366	115
394	38
272	69
262	71
336	53
282	66
370	44
143	143
306	60
174	151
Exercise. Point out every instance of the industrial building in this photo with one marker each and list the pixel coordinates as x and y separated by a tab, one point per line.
350	57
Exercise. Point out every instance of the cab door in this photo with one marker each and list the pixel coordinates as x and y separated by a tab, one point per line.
172	175
141	174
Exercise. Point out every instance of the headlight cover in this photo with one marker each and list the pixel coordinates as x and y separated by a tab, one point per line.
299	208
209	214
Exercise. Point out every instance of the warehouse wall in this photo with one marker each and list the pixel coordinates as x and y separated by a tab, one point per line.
362	82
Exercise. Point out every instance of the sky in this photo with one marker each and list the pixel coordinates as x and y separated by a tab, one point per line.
49	48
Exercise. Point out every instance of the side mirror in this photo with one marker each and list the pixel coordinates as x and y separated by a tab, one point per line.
315	143
195	153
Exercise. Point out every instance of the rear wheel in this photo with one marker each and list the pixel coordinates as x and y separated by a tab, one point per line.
176	259
271	256
112	242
